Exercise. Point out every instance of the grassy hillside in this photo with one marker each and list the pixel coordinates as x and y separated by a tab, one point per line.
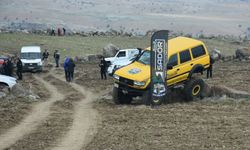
81	46
70	45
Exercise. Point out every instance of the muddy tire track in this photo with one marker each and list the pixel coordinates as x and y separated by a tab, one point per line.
57	124
39	113
84	123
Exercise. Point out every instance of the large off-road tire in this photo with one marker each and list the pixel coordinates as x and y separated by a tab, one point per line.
127	99
146	98
194	88
120	98
117	96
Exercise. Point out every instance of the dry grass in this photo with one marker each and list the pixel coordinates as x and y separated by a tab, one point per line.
196	125
68	45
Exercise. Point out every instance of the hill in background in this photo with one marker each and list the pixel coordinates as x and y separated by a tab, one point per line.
193	16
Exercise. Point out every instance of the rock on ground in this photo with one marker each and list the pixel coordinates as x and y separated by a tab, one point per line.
242	53
110	50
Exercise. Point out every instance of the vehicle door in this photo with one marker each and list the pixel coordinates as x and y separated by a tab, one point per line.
185	65
172	72
122	55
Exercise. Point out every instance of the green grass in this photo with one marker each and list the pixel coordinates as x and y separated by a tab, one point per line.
82	46
226	47
68	45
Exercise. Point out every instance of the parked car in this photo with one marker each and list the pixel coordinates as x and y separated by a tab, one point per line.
7	81
123	57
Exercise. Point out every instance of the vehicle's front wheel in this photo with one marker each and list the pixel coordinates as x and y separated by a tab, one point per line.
4	85
146	98
120	98
194	88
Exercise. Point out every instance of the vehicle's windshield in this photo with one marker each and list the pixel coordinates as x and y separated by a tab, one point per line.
144	58
30	55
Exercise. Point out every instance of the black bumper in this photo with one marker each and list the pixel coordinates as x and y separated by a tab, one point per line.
32	68
130	91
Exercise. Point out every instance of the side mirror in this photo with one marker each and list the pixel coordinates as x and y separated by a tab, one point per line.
169	67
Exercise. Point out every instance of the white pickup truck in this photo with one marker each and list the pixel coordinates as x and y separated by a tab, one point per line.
123	57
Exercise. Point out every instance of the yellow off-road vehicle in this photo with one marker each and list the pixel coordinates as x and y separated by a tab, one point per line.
186	57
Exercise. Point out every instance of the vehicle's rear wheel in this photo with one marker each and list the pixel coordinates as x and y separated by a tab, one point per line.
194	88
120	98
146	98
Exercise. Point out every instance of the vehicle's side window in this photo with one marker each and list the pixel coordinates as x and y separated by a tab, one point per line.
173	60
121	54
198	51
185	56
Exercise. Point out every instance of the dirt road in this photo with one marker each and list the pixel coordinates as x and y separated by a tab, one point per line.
78	120
40	112
84	122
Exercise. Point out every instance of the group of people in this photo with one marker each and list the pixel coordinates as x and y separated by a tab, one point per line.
69	65
60	32
8	67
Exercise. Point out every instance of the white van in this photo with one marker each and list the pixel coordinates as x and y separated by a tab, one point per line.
31	58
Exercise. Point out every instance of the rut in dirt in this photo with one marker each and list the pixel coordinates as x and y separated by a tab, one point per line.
39	113
84	121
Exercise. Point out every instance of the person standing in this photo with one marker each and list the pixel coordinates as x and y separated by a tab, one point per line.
5	69
66	70
8	67
103	66
19	70
59	32
57	57
210	68
71	68
53	33
64	31
45	57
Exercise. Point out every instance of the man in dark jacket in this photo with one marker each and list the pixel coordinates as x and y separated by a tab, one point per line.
71	68
4	67
57	57
8	67
210	68
45	57
66	70
103	66
19	66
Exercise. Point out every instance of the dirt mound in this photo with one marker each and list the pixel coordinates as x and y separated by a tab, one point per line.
23	92
232	93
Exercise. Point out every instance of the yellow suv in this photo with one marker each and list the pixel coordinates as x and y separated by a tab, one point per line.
186	57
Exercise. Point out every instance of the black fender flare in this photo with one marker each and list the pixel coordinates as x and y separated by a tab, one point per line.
196	69
3	83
